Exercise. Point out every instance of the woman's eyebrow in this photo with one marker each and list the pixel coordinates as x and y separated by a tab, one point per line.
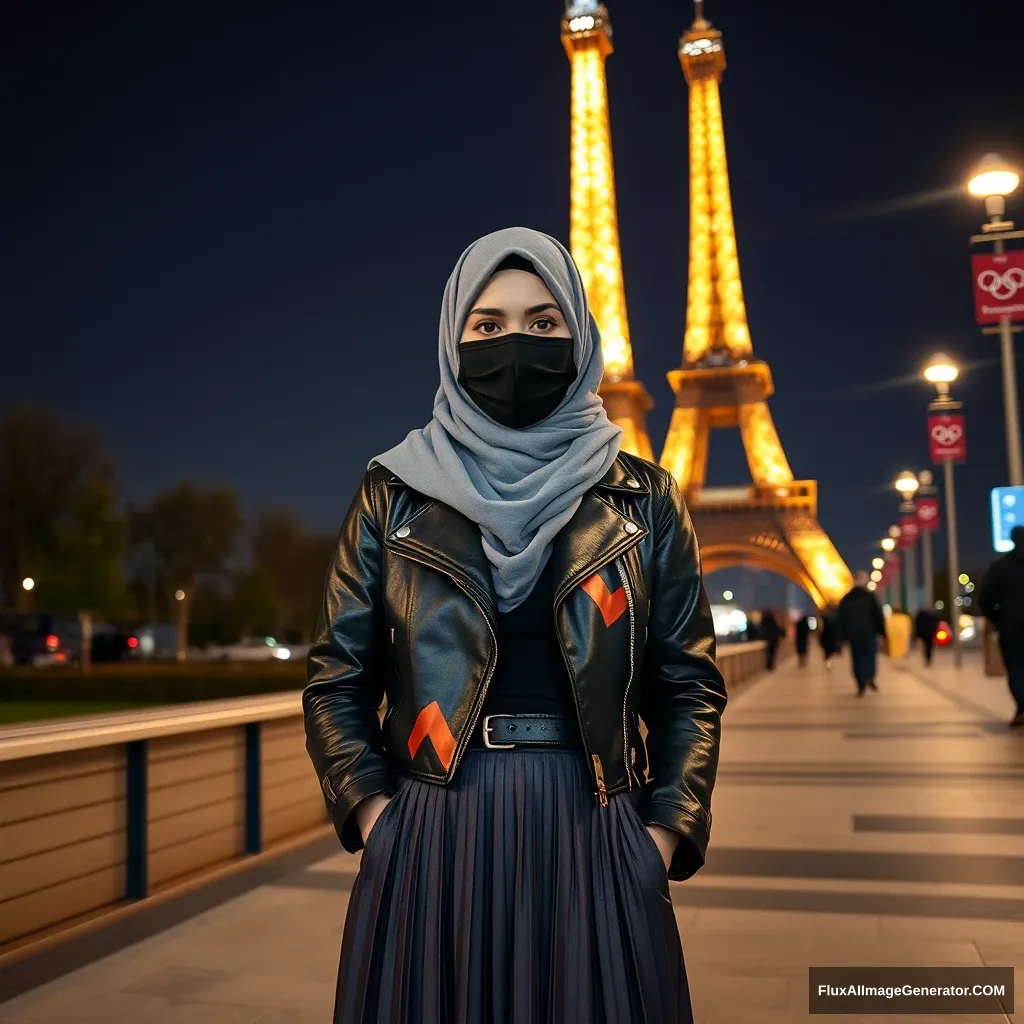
534	310
487	312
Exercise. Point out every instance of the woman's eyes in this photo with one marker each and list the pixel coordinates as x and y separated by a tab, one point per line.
545	323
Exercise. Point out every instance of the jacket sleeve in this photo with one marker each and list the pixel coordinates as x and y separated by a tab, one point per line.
683	693
879	617
345	684
988	594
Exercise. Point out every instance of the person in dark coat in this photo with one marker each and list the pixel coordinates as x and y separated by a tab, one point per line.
1002	602
925	625
829	636
772	634
803	638
861	623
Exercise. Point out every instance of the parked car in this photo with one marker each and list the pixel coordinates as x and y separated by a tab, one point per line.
40	638
112	644
251	648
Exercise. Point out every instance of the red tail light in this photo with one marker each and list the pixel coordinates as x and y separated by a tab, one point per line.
52	642
943	636
133	642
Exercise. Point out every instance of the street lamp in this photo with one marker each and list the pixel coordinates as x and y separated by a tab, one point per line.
889	546
28	583
907	485
878	563
927	503
942	372
993	180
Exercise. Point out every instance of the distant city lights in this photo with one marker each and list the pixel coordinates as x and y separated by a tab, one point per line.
878	563
28	583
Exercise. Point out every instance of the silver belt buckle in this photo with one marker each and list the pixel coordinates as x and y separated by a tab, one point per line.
487	735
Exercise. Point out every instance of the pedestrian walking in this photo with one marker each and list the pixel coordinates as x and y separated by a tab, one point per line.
1002	602
861	623
772	634
925	625
828	637
803	638
501	578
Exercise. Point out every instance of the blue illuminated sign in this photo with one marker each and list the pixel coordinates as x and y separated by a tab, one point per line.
1007	512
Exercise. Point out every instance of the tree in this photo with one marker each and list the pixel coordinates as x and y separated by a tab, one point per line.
191	532
83	575
294	562
45	467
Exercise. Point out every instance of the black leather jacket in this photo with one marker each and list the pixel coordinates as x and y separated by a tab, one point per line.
409	614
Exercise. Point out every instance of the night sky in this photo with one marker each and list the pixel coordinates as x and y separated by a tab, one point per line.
227	227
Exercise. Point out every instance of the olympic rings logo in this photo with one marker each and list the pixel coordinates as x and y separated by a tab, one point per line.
947	435
1001	286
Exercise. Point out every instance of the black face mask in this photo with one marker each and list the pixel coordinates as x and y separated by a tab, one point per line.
517	379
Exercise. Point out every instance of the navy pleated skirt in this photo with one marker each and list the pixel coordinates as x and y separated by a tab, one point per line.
511	897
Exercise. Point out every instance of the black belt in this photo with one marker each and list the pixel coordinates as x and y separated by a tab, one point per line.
509	732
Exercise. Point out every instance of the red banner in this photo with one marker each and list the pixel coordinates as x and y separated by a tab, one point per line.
909	532
998	286
947	437
928	514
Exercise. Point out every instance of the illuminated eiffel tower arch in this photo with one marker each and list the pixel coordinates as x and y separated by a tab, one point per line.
593	226
774	523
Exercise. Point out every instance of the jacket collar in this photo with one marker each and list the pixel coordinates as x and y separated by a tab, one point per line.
598	533
620	478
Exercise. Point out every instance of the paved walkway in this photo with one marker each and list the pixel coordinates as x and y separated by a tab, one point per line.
882	831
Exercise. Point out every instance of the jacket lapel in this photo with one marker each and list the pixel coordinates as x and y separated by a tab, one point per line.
437	534
598	533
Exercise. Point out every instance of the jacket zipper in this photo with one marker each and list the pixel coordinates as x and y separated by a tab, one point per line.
475	717
632	668
602	790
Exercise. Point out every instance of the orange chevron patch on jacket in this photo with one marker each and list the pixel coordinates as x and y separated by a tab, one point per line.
430	722
611	605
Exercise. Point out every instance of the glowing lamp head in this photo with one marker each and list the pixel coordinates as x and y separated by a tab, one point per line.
133	642
888	544
925	478
907	484
28	583
941	369
179	595
993	177
52	642
894	532
878	563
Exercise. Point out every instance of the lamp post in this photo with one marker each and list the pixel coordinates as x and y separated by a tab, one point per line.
889	547
993	180
926	502
942	371
182	598
907	485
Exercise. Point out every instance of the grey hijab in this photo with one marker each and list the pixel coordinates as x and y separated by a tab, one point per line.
519	486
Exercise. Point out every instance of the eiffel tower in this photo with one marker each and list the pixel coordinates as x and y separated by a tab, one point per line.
772	524
593	219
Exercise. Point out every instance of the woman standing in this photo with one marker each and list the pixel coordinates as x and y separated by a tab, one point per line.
523	595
